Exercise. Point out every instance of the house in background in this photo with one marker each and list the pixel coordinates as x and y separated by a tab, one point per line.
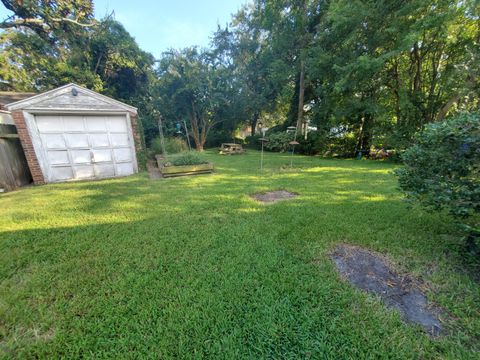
72	133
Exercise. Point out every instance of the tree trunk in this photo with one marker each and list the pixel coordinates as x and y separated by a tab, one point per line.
203	134
361	120
365	134
200	128
301	93
417	81
444	110
396	92
97	65
195	129
254	122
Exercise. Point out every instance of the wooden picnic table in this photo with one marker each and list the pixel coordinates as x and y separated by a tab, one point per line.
231	149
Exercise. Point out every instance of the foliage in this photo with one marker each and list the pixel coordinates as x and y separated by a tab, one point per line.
189	260
344	145
45	17
278	141
186	158
217	137
173	145
241	47
192	86
253	142
316	143
125	69
442	170
104	58
380	69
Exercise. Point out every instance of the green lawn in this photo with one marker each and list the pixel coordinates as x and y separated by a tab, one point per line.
193	268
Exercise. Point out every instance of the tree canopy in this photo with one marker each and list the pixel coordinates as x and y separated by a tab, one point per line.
363	73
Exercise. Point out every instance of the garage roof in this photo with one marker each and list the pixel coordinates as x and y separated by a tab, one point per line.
7	97
70	97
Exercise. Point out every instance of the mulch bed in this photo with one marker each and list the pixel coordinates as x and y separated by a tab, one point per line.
372	273
274	196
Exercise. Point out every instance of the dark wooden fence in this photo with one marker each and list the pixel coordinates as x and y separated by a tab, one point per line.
14	170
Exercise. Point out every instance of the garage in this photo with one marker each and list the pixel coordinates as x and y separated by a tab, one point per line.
72	133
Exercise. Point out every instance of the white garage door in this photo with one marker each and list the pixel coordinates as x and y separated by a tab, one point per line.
86	147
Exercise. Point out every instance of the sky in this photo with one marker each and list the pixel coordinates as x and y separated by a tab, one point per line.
159	25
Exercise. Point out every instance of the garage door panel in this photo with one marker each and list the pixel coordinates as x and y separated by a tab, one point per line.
122	154
84	172
120	139
50	124
104	170
124	169
100	155
77	140
53	141
58	157
81	156
96	123
74	123
117	124
85	146
59	173
99	140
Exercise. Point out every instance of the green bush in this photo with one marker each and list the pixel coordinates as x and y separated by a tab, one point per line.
343	146
316	143
253	142
186	158
216	137
442	169
279	141
173	145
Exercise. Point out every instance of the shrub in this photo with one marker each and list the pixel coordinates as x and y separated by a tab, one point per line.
315	144
186	158
253	142
442	169
173	145
279	141
342	146
216	137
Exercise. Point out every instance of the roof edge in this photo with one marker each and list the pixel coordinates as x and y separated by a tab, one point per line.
37	98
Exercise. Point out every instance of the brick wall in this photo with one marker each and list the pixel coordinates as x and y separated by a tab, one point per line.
27	145
138	139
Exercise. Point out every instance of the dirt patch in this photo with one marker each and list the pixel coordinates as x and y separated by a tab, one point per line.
371	272
274	196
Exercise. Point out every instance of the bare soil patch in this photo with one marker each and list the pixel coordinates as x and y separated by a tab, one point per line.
372	273
274	196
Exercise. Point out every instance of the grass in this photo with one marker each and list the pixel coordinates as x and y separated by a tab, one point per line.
192	267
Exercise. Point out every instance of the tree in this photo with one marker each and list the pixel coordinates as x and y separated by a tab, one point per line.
385	69
116	58
243	50
45	16
104	57
192	87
